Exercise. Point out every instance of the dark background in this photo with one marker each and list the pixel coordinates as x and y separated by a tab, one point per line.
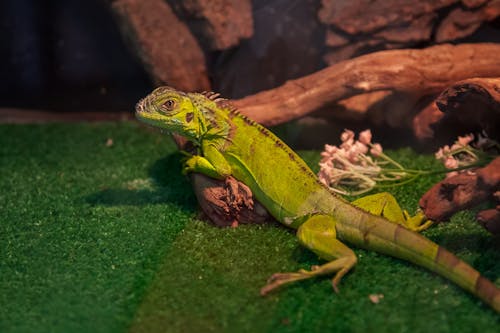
68	55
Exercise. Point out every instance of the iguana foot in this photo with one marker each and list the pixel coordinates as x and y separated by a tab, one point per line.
417	223
385	205
339	266
319	235
278	279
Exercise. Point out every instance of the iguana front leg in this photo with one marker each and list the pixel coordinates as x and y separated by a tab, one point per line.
384	204
319	235
212	163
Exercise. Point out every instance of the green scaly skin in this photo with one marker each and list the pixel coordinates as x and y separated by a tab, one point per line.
231	144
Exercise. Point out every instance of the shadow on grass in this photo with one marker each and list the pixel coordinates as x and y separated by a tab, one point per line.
166	184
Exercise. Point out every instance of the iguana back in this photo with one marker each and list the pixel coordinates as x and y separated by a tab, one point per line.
277	176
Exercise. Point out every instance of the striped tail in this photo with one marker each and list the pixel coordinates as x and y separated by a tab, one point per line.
393	239
448	265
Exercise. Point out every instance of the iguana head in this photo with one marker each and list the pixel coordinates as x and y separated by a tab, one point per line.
171	110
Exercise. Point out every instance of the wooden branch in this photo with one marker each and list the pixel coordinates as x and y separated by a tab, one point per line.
471	105
462	191
490	219
419	72
380	108
356	106
423	121
228	202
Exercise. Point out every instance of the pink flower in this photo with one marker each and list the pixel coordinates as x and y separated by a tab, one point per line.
465	140
347	145
324	177
352	157
376	150
324	156
350	166
444	152
347	135
365	137
330	149
327	164
439	155
360	148
451	163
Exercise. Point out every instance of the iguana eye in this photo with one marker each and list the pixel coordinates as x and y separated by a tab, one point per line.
169	104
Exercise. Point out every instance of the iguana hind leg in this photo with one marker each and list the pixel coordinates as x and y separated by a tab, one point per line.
384	204
319	235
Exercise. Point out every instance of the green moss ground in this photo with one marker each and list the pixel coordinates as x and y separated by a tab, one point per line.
106	239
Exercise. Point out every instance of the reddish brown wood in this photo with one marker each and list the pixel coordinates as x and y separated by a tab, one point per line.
490	219
463	191
425	119
165	45
471	105
416	72
228	202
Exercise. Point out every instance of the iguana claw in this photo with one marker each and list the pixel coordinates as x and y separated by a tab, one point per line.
278	279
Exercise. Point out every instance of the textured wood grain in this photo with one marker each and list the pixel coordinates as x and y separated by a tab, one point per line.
419	72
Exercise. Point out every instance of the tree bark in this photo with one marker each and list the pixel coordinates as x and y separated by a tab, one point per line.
417	72
471	105
465	190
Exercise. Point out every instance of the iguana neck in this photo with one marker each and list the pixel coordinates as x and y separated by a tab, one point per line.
214	122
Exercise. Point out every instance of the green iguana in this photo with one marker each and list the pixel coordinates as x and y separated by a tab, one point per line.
230	144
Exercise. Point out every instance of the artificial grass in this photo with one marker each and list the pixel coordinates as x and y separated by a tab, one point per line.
106	238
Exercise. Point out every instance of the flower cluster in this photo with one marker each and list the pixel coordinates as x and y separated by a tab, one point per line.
356	166
466	154
459	154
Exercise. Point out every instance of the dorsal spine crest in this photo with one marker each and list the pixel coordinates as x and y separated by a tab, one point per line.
226	105
213	96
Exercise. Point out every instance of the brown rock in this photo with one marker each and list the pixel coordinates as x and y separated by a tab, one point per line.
165	45
221	23
462	22
365	16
